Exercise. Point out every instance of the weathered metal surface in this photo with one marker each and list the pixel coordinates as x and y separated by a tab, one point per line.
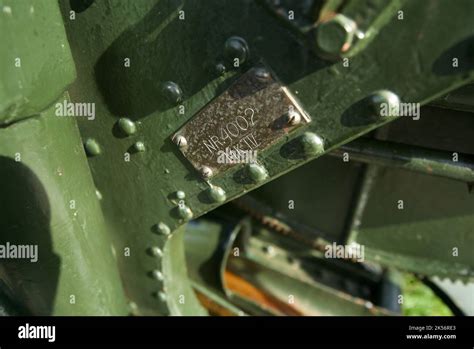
48	200
251	115
36	64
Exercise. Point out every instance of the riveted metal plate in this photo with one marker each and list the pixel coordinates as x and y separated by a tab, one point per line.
250	116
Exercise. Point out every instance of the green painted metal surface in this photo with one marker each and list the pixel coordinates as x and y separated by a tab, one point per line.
431	234
48	199
36	64
180	297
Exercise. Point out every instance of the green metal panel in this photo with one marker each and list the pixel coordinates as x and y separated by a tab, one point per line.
36	64
431	234
180	297
48	199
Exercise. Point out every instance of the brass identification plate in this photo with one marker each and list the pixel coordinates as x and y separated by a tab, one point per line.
251	115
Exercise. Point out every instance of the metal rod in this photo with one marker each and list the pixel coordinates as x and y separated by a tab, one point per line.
428	161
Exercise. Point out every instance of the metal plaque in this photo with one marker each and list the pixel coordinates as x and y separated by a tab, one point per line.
252	114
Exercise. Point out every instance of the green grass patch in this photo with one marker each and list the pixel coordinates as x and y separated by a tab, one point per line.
419	299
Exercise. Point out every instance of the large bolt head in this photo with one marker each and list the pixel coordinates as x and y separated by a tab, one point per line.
335	36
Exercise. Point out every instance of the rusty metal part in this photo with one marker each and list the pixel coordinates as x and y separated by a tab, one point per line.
280	227
214	308
244	288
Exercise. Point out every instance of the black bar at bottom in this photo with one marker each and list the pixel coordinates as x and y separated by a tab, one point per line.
444	332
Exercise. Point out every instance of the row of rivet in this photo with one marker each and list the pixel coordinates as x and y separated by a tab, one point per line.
237	49
155	251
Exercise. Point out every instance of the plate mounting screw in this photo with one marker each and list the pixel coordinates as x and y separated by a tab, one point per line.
293	117
206	172
181	142
262	74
